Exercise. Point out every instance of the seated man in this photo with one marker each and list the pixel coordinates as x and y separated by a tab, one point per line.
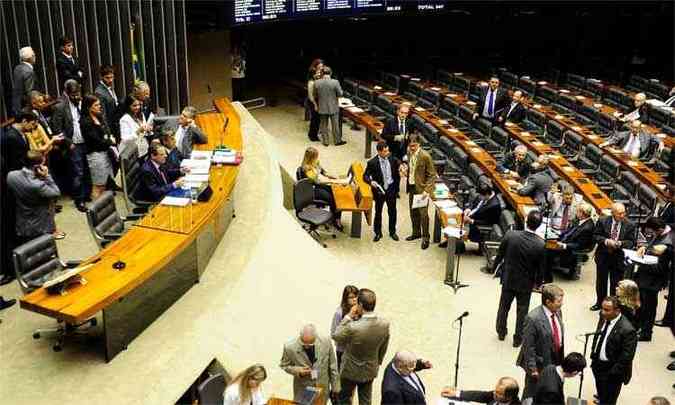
563	206
577	237
516	164
514	112
188	133
539	182
168	140
156	179
635	142
505	393
640	111
484	210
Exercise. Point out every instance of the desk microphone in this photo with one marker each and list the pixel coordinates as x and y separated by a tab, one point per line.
591	334
118	264
466	313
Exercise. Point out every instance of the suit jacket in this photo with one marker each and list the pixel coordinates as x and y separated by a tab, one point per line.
110	107
193	135
549	388
648	143
522	168
295	358
23	82
152	186
374	173
556	201
602	231
326	93
517	115
537	186
62	120
501	101
14	147
365	342
483	397
620	349
398	391
390	130
33	197
489	212
68	68
579	236
425	173
667	213
523	256
537	350
655	277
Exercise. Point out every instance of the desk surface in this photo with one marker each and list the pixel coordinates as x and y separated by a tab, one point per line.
356	196
144	250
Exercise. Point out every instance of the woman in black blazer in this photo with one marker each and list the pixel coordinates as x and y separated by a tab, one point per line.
99	142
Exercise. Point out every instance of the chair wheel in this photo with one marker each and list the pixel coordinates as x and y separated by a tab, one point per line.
324	245
334	236
36	335
57	348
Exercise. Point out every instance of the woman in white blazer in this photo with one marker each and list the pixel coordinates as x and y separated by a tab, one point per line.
134	128
245	388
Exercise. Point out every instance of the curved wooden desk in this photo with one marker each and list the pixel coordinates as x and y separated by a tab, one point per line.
161	263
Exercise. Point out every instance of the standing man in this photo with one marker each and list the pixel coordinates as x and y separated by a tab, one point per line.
421	175
66	64
552	378
652	278
539	182
401	385
514	112
382	173
543	338
613	351
396	130
23	78
365	342
105	90
326	92
492	101
612	234
311	360
522	256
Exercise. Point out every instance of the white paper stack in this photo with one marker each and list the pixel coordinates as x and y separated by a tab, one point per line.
175	201
225	156
197	166
345	102
201	154
646	259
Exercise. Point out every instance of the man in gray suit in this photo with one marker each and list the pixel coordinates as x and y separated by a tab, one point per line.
543	338
365	342
35	191
327	91
188	133
539	181
635	142
311	360
105	90
23	78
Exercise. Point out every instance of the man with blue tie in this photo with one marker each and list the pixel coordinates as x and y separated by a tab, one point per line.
382	173
492	101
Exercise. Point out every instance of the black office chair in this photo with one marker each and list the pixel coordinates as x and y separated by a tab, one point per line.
130	173
590	159
610	171
572	144
493	235
105	223
210	392
308	210
36	262
554	134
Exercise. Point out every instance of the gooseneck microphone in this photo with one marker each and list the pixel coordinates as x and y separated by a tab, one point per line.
465	314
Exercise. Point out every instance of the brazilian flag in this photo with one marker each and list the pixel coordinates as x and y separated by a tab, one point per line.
137	53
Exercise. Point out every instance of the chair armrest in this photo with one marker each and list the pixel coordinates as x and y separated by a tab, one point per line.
70	264
132	217
111	236
320	202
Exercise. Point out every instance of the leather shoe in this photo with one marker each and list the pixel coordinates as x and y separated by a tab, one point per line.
81	207
341	143
443	244
501	337
394	236
4	304
6	279
425	244
662	324
517	342
412	237
643	337
377	238
671	366
595	307
672	354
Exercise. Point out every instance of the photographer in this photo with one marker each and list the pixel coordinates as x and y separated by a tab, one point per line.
35	192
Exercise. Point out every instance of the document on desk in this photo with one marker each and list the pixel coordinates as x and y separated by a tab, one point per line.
646	259
175	201
444	204
345	102
196	178
420	201
201	154
197	166
225	157
447	401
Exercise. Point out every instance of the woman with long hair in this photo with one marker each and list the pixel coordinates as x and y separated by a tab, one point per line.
99	140
311	169
628	293
134	129
349	295
245	388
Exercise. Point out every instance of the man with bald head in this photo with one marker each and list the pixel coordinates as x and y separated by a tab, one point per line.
401	384
516	164
514	112
539	182
505	393
396	130
640	111
635	142
612	234
311	360
23	78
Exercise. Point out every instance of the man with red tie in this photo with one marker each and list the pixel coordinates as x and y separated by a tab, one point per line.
156	179
543	338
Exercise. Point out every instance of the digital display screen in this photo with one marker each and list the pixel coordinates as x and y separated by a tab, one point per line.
253	11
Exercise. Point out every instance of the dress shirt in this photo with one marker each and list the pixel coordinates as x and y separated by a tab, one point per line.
513	105
411	168
386	172
111	91
612	323
486	107
77	134
480	204
670	102
231	396
632	147
161	173
550	323
401	126
31	66
557	216
43	121
411	379
618	229
180	133
559	370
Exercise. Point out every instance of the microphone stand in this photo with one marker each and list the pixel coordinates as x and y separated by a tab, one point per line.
454	280
459	345
581	376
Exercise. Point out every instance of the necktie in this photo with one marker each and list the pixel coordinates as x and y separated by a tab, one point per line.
556	334
565	217
615	231
417	386
491	102
402	129
310	354
629	145
161	173
598	346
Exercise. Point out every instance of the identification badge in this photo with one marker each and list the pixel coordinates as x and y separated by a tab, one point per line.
315	374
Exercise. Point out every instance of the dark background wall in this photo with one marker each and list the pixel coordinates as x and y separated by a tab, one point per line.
100	30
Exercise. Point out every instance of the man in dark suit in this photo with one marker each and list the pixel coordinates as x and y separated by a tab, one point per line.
105	90
551	379
521	257
66	64
613	351
516	164
612	234
505	393
421	176
188	133
652	278
635	142
539	182
577	237
492	101
156	180
23	78
382	173
543	338
396	130
401	385
514	111
484	211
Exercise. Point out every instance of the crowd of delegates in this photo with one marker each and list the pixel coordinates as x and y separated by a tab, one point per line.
72	147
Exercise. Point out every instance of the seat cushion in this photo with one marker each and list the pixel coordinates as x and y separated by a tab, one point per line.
315	216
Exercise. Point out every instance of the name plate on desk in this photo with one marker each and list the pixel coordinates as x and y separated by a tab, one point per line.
419	109
389	93
471	103
453	130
